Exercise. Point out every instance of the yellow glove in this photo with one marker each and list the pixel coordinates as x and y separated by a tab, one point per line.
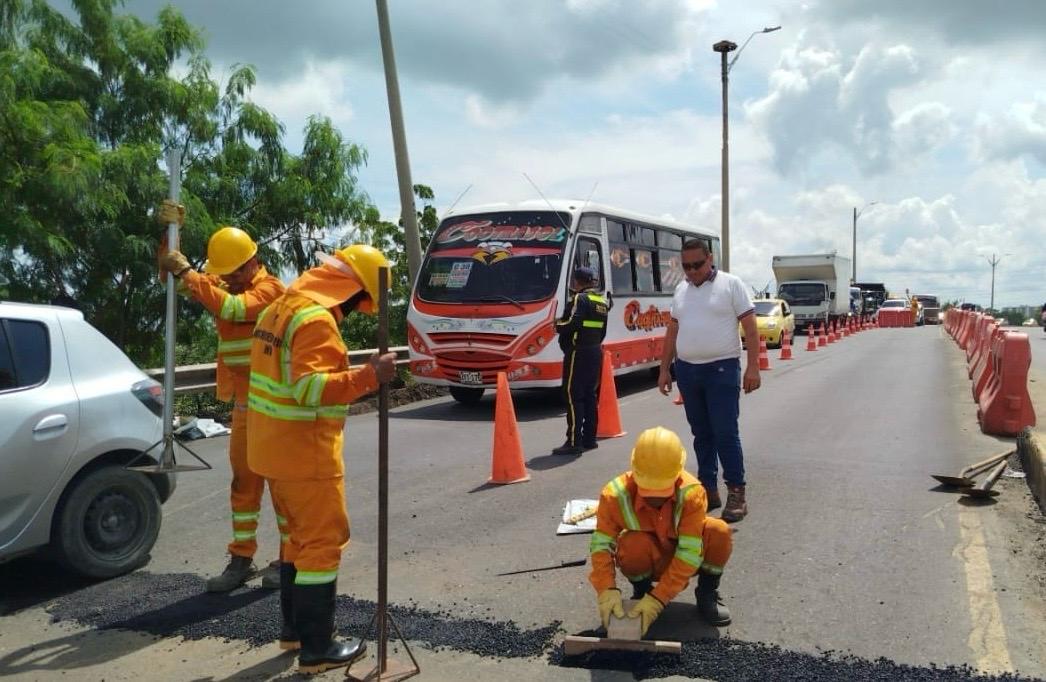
609	601
648	609
170	212
175	263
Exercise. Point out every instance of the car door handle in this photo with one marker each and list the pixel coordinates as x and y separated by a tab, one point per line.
52	421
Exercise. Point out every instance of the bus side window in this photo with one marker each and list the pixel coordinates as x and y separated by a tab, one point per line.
589	255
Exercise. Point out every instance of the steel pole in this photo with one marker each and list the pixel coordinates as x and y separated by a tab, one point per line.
725	264
383	474
853	276
399	143
174	172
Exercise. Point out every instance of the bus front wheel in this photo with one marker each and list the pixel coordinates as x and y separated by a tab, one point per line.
466	395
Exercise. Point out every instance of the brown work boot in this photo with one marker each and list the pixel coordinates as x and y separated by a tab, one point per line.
240	570
714	501
736	507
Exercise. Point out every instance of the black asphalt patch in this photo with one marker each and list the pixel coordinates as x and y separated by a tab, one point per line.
176	605
727	660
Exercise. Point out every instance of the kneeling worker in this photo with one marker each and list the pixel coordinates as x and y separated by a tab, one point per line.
651	523
300	388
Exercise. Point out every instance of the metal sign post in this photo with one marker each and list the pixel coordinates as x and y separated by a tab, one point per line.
385	668
167	463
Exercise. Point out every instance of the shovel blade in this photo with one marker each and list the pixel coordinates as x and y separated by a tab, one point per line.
954	481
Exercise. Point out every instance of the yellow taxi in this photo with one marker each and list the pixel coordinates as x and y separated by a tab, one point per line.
773	317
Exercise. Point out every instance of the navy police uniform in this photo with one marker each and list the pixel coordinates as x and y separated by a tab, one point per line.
581	332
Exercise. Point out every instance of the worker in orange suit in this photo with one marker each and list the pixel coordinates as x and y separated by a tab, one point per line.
300	388
651	524
235	288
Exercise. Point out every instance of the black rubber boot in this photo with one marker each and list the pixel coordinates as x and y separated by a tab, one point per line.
709	605
314	618
270	576
289	640
239	570
641	587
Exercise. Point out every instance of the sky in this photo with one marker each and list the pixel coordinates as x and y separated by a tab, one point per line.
928	117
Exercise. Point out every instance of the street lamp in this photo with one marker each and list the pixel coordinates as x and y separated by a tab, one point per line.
723	47
993	261
857	214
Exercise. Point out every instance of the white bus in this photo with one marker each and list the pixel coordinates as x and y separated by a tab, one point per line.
494	281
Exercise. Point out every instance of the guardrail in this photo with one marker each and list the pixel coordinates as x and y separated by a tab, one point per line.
200	378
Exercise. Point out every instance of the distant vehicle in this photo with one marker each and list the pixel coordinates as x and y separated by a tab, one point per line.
1042	317
856	301
931	308
816	286
75	411
872	294
970	306
773	318
893	304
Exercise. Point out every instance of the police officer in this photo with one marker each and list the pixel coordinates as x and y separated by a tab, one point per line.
581	331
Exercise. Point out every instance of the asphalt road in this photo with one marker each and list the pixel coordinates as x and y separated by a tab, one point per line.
849	549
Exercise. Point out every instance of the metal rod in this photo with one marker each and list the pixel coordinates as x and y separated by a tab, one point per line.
724	264
174	171
383	474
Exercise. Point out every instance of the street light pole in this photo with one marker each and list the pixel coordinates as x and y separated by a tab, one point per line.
993	261
857	214
723	47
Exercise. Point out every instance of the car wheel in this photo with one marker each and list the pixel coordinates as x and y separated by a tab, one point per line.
466	395
107	524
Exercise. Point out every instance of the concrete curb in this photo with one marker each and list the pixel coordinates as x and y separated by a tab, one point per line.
1033	460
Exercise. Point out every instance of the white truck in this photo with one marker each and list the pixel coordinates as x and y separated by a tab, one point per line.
816	286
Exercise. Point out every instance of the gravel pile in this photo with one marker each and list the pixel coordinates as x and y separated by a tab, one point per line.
726	660
176	605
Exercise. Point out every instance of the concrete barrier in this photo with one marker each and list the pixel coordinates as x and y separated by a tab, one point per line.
1033	461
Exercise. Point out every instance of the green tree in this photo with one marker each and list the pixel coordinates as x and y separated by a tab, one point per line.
87	108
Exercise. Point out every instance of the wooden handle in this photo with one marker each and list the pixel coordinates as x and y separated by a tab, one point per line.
984	464
588	513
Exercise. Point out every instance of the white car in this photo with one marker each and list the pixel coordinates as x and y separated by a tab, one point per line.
75	412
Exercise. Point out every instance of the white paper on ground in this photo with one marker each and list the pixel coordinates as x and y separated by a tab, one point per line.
576	507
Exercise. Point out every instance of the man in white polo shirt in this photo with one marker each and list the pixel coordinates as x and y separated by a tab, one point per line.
701	345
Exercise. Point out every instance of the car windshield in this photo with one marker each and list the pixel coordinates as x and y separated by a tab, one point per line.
766	309
896	303
802	294
509	257
928	301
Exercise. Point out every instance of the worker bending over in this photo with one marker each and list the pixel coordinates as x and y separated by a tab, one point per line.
651	524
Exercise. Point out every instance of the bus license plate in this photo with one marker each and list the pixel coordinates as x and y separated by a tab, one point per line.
470	377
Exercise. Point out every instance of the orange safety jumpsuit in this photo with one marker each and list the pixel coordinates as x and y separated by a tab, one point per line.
668	545
234	316
300	388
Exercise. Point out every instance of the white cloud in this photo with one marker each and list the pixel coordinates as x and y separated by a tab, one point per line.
1022	131
320	90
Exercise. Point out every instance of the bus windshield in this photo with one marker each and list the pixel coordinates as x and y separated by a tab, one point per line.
510	257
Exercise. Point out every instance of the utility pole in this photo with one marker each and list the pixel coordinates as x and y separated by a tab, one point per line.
723	47
399	142
993	261
857	214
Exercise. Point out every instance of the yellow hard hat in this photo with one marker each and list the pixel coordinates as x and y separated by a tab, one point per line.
657	461
365	261
228	249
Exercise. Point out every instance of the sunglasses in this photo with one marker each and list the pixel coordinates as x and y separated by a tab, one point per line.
695	265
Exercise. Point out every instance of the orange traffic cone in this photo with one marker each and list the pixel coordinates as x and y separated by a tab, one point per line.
608	420
830	334
786	346
764	359
811	340
506	464
822	338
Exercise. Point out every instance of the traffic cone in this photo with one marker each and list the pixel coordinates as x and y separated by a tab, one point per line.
844	329
811	340
608	421
786	346
822	338
764	359
830	336
506	464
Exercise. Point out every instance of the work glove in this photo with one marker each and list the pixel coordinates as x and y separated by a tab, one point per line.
609	601
170	212
175	263
648	609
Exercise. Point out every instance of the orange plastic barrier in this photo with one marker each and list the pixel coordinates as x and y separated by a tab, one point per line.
984	370
978	341
506	464
1005	406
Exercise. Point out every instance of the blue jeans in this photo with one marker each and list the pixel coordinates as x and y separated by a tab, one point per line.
711	397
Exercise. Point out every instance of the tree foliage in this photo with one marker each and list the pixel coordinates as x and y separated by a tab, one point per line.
88	106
